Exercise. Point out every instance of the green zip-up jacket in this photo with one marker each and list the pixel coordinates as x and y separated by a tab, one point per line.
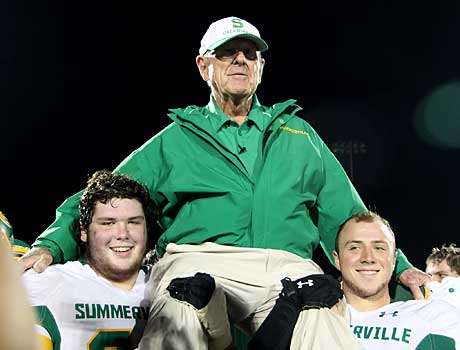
295	199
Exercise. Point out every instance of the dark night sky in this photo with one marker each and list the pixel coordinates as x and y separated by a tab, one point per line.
84	84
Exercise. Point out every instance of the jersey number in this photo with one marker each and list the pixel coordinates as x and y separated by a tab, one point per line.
109	339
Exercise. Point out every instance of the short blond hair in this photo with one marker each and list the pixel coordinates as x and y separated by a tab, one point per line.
364	216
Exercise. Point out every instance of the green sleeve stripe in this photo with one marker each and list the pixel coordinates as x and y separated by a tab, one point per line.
47	321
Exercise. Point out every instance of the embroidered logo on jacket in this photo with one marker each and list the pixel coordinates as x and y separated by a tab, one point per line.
294	131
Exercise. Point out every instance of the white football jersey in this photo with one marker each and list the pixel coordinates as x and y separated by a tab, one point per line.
408	325
77	309
448	290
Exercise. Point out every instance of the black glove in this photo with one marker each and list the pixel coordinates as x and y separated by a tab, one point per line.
312	292
196	290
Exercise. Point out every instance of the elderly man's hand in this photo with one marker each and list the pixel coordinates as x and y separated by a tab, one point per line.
37	258
413	279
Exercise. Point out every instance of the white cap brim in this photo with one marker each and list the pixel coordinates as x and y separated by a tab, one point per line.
260	43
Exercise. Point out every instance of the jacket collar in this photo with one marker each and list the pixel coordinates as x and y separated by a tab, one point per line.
197	115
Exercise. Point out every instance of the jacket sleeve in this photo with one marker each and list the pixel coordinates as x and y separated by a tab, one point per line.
61	236
402	264
337	201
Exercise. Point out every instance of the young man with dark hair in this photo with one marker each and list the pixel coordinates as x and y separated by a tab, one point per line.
443	262
443	265
100	301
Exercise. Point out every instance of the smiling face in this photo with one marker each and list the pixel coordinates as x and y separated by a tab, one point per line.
366	257
117	240
233	70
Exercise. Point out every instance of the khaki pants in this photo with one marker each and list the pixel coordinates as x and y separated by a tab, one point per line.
248	282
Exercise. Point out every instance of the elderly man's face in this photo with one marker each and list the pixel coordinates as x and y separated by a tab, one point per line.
233	69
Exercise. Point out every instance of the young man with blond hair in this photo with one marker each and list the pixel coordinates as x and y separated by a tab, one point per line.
365	254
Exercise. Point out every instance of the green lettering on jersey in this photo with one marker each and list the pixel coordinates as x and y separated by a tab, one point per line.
384	333
377	331
102	311
116	311
90	310
126	311
357	331
393	334
406	335
136	310
79	308
368	332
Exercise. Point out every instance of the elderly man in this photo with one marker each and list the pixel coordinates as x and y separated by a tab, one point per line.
244	193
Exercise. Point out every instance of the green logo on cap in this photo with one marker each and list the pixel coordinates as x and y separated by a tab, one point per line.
237	23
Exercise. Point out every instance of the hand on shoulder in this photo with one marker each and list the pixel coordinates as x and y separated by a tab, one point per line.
38	258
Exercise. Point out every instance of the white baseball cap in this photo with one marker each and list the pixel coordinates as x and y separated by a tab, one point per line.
227	29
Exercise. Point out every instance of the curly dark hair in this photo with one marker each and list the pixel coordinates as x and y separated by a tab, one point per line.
450	253
104	185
